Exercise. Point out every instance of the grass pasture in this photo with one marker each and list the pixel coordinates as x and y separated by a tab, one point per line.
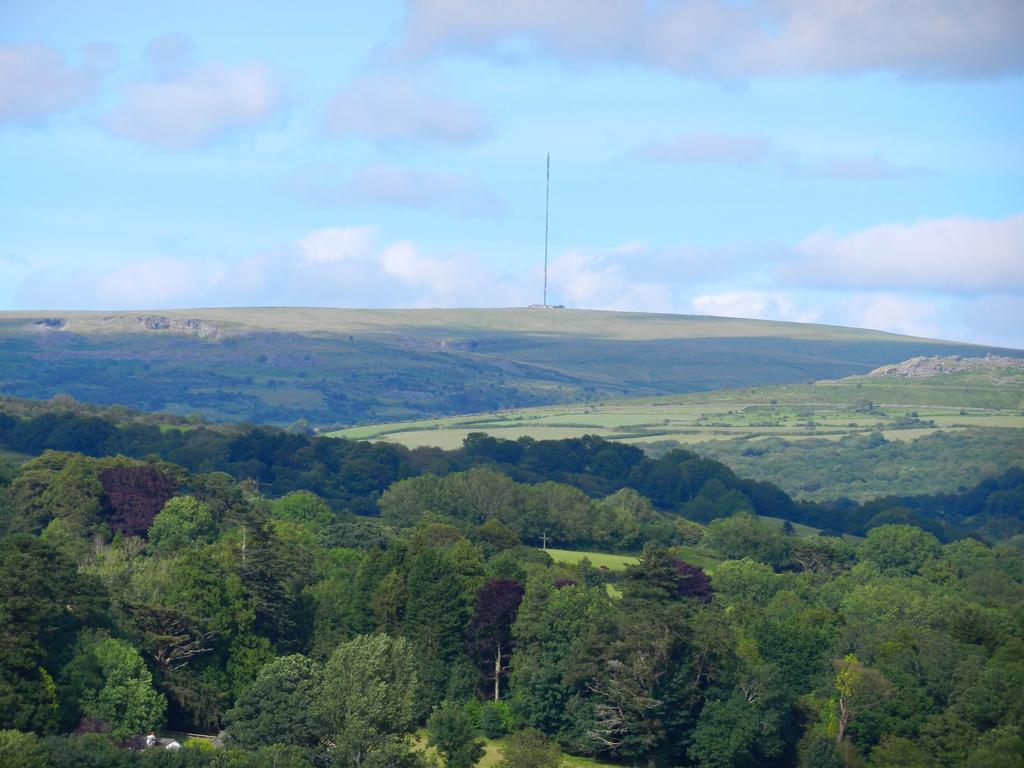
597	559
700	557
859	437
899	408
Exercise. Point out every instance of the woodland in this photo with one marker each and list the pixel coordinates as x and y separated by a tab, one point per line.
312	601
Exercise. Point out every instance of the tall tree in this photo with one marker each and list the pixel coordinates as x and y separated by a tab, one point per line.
45	601
126	699
489	637
281	707
368	697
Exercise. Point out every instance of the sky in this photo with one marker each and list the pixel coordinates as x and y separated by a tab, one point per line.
851	162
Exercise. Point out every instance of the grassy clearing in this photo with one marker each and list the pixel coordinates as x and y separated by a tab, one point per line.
597	559
492	756
492	753
699	557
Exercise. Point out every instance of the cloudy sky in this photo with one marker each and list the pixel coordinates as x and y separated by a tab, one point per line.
857	162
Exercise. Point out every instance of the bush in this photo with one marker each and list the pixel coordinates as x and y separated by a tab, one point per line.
496	719
530	749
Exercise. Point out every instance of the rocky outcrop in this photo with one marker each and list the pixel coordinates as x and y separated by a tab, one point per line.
925	367
50	322
190	327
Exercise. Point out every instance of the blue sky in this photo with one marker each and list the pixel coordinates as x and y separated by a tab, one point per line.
857	162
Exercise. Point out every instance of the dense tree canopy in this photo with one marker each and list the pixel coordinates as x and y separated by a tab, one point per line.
246	600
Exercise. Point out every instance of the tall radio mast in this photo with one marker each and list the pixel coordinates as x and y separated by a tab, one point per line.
547	202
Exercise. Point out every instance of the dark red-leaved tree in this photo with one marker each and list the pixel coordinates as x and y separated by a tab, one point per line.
132	496
691	581
489	636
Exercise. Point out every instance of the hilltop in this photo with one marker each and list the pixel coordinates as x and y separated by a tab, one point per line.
347	366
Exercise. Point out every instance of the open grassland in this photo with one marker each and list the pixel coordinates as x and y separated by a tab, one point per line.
455	324
860	437
331	367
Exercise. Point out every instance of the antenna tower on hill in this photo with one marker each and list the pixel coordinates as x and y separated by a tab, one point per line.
547	203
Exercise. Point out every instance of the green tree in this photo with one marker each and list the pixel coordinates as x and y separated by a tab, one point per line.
61	486
550	623
999	748
182	521
21	750
858	689
899	549
368	699
437	611
746	535
45	601
898	752
282	706
304	508
126	699
450	730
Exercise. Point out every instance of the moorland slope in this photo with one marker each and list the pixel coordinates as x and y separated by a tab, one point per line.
346	366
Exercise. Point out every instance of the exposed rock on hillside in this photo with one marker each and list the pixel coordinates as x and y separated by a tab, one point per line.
924	367
192	327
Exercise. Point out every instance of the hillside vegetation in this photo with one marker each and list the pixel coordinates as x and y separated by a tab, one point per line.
219	580
548	486
335	366
922	426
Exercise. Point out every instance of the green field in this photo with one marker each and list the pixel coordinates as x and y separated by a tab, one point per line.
332	367
901	409
860	437
597	559
702	558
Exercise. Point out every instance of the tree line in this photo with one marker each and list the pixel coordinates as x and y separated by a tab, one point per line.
353	475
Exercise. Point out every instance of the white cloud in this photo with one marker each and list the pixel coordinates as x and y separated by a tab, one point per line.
36	82
333	244
748	149
445	280
759	304
707	148
353	267
391	186
332	266
957	255
398	110
186	105
861	167
607	281
718	38
894	313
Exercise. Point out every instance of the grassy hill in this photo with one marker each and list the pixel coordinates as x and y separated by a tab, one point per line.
339	366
